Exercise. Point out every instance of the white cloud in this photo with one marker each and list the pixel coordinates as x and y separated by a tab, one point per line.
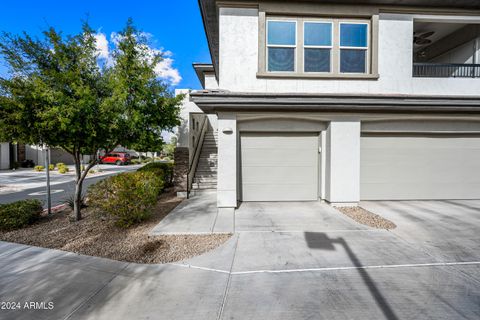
164	68
102	46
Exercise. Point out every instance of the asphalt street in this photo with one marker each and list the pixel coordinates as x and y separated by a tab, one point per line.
61	189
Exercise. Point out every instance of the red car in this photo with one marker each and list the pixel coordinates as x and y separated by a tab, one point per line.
117	158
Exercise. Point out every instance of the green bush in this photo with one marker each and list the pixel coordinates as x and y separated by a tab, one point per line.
135	161
128	197
164	169
60	165
51	167
63	169
19	214
39	168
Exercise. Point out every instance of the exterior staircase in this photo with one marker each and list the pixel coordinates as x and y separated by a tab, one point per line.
206	174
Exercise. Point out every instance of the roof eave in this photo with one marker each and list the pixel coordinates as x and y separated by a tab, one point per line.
213	102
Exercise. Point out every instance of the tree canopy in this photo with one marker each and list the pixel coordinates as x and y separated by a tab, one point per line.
58	94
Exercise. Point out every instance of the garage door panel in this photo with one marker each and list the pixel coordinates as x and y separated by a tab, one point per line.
434	167
281	175
269	140
279	166
272	157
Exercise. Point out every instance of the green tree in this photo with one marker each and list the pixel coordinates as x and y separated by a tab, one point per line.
169	148
56	94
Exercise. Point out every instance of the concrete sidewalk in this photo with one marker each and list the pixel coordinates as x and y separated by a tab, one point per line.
197	215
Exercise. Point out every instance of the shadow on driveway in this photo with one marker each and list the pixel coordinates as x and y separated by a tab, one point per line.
321	241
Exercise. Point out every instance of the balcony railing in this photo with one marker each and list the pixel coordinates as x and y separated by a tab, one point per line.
446	70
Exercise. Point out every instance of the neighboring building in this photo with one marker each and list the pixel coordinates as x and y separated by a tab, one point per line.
342	102
13	153
5	155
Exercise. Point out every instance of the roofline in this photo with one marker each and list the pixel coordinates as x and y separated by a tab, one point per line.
211	48
217	101
201	69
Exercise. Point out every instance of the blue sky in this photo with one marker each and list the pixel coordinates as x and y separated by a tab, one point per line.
175	25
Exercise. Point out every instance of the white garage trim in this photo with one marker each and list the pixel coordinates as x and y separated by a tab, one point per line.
279	166
428	166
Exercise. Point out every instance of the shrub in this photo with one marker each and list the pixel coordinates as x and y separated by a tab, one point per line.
61	164
39	168
63	169
135	161
51	167
70	201
27	164
19	214
164	169
128	197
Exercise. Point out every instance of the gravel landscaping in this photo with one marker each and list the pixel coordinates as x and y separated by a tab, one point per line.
367	218
95	237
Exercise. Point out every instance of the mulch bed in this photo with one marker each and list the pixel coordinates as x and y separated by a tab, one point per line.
101	238
367	218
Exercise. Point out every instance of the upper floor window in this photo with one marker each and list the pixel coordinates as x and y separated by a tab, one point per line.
318	46
281	45
353	47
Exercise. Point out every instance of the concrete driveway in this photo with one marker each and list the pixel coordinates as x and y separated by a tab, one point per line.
427	268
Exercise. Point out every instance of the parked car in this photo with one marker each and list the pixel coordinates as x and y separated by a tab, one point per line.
118	158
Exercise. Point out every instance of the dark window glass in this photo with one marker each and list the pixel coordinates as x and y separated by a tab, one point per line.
281	59
352	61
353	35
317	60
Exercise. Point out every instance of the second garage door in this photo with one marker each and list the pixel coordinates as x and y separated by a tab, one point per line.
279	166
420	167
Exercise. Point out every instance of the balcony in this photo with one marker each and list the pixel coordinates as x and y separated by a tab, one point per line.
446	70
446	49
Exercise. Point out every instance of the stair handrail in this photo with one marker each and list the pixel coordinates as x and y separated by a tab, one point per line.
196	155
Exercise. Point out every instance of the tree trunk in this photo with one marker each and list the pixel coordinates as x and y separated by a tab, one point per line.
77	205
77	197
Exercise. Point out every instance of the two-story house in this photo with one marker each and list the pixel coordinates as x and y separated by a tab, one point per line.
339	100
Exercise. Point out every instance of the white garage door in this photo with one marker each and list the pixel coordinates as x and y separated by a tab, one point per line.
420	167
279	166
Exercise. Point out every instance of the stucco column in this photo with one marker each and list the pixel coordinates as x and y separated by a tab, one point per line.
227	161
342	181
